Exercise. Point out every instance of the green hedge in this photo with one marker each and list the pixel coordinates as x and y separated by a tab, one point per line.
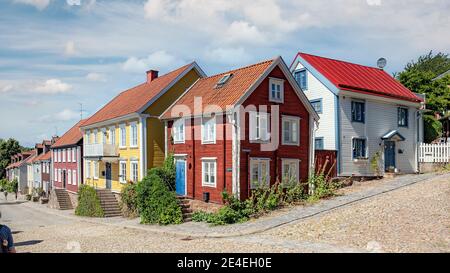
128	200
157	204
88	202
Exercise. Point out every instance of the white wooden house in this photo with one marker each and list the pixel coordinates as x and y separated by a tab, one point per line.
363	110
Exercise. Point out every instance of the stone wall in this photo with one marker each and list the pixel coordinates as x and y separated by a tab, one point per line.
197	205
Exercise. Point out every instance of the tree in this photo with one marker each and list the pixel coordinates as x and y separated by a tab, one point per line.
8	148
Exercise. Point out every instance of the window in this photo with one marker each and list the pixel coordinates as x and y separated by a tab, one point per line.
317	105
402	117
290	170
60	175
74	157
88	169
88	137
276	90
122	136
59	155
74	177
208	130
69	177
291	130
112	135
223	80
64	155
122	171
359	148
103	135
133	135
54	155
260	174
259	127
178	131
209	174
95	137
318	143
358	111
95	169
48	167
301	78
134	171
55	175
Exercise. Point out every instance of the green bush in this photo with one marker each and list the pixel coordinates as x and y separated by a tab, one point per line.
88	202
322	187
156	203
167	172
12	186
432	128
3	184
128	200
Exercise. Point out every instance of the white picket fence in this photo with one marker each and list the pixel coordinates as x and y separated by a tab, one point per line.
434	153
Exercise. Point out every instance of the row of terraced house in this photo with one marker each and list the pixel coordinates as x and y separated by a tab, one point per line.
256	124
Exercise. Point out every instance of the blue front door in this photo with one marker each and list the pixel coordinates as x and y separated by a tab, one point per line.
180	180
389	154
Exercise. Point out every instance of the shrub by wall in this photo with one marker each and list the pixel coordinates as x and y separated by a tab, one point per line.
157	204
88	202
128	200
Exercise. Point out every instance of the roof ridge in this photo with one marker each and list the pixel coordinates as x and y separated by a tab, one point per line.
240	68
342	61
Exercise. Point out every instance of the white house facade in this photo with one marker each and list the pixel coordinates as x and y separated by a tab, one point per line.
365	114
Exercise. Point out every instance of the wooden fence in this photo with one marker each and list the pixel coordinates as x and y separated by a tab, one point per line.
434	153
326	162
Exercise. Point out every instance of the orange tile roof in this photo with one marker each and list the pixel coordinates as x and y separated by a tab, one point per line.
31	158
71	137
229	94
132	100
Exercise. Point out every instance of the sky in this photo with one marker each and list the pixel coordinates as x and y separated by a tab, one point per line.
56	55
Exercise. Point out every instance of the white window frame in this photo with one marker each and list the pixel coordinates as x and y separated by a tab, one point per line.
256	130
88	169
60	175
287	162
59	155
74	177
122	136
133	137
104	140
292	120
134	173
206	164
122	175
259	161
96	170
69	177
95	132
280	82
88	137
209	137
366	149
63	155
177	137
112	135
74	155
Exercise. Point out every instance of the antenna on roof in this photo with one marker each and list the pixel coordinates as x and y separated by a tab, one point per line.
81	110
381	63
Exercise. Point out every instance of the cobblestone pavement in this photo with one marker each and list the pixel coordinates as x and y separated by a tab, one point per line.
409	213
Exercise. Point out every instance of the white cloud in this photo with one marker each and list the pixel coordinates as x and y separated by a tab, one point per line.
96	77
242	32
70	49
229	56
39	4
5	87
73	2
64	115
157	60
52	86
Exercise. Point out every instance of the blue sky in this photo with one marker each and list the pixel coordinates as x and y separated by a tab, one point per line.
55	54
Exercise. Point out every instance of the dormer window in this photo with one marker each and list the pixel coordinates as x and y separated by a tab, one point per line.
276	90
223	80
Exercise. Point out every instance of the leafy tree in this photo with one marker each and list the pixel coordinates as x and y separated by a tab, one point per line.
8	148
432	128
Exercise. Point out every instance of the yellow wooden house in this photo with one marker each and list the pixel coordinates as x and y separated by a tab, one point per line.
125	138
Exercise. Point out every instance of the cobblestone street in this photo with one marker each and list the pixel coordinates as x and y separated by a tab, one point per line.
412	218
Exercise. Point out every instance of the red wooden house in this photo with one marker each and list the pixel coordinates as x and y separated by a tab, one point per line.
238	129
67	160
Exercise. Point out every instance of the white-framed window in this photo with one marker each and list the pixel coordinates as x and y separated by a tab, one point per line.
209	172
208	130
95	137
88	137
48	167
64	155
88	169
59	155
74	154
112	135
276	90
290	170
301	77
96	170
54	156
69	177
359	146
122	136
55	175
74	177
133	134
259	127
103	135
178	131
134	171
259	172
291	130
60	175
122	171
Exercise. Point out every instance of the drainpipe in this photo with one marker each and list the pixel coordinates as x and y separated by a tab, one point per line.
193	155
224	120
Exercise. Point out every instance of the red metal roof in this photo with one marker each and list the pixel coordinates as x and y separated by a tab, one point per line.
360	78
71	137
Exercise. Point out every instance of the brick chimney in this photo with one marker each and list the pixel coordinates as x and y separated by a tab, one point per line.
151	75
